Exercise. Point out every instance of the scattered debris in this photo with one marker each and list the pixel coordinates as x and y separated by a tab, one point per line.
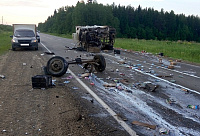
144	124
163	131
2	76
160	60
171	67
109	85
187	91
124	81
149	86
24	64
85	75
173	81
121	117
193	107
161	54
92	83
164	75
41	81
66	82
121	61
172	63
178	60
116	51
169	101
50	53
75	88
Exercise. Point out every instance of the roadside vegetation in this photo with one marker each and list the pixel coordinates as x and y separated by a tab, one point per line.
5	44
189	51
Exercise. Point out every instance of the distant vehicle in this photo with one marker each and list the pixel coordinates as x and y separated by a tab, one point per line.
38	36
24	36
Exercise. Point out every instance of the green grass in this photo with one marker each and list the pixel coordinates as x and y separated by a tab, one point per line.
189	51
5	42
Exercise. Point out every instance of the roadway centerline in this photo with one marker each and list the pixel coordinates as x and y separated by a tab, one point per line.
103	104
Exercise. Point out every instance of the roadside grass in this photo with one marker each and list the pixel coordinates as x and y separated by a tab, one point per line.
5	42
188	51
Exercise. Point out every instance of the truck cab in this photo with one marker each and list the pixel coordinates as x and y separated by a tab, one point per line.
24	36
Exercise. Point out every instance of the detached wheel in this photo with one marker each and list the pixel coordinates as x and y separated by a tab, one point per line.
100	65
57	66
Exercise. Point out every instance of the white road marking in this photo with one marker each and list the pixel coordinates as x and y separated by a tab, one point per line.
106	107
177	85
46	48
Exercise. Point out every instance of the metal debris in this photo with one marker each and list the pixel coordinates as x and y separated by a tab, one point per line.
144	124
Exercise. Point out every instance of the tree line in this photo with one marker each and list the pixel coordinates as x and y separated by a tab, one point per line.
130	22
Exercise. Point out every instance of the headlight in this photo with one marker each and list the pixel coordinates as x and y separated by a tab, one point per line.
34	41
15	40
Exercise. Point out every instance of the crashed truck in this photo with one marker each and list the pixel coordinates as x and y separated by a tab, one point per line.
88	38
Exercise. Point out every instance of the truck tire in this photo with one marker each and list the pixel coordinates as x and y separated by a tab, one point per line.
57	66
100	60
13	48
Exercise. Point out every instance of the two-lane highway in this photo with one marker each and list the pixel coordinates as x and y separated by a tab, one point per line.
166	108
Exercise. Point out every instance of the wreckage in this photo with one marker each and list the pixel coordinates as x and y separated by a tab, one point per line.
90	39
95	38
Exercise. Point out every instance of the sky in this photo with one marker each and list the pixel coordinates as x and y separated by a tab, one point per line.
36	11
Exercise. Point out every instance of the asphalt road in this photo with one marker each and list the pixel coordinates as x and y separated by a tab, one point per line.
166	108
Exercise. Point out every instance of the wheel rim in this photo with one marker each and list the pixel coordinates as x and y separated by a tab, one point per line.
56	65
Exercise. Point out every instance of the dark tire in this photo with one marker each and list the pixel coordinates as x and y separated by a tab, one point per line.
100	60
57	66
36	48
13	49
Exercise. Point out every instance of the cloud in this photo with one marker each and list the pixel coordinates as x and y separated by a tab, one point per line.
23	3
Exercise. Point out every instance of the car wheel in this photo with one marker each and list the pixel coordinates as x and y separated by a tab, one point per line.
57	66
100	65
13	49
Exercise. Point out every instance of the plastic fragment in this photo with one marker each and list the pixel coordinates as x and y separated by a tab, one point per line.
2	76
164	131
66	82
196	107
91	83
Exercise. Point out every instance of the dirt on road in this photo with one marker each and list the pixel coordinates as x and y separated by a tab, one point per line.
55	111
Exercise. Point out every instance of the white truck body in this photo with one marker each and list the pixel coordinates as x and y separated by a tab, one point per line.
24	26
24	36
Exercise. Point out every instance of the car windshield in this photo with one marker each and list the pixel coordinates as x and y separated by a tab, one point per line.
24	33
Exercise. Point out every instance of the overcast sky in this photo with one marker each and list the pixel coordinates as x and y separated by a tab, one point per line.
35	11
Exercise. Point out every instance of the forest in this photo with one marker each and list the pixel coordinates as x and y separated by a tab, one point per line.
130	22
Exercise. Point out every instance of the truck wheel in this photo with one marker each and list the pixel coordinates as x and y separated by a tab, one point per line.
13	49
57	66
101	63
36	48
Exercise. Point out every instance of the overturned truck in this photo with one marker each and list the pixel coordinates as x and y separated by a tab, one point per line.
95	38
90	39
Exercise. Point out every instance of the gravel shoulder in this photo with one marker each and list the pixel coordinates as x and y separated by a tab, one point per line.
54	111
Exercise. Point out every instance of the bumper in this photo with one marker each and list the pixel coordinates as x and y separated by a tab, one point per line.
27	45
